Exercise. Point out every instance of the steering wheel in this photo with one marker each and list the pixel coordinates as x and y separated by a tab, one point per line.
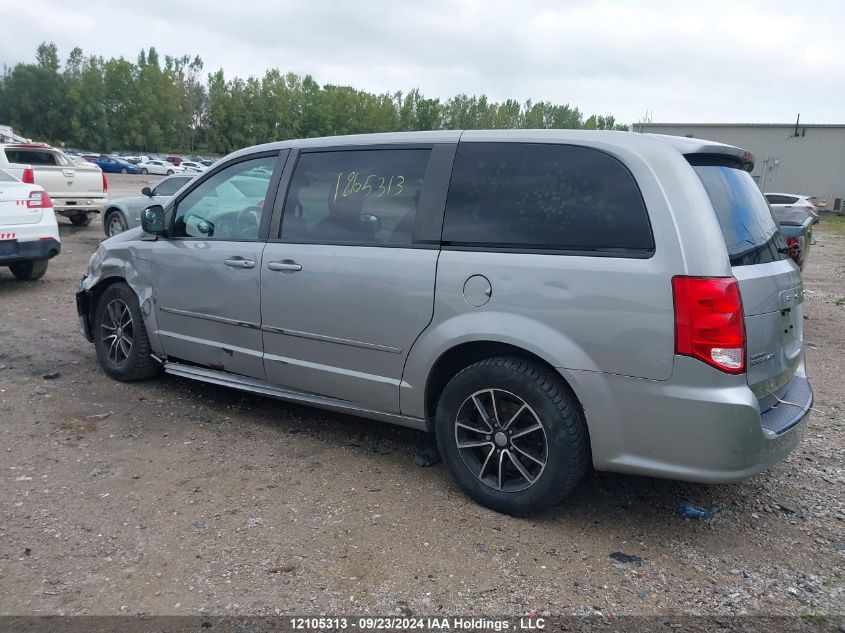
247	220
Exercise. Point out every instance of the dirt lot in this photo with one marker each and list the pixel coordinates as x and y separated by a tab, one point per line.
170	496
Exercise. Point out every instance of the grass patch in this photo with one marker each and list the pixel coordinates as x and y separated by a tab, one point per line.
839	302
814	618
833	223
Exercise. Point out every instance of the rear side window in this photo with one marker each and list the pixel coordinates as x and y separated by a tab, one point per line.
367	197
751	234
778	199
7	177
545	197
169	187
23	156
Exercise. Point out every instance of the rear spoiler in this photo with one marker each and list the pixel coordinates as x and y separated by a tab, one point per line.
703	152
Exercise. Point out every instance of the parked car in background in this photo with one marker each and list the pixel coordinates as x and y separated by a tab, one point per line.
192	166
537	299
174	160
29	233
77	189
135	160
206	162
796	215
791	201
122	214
159	168
114	165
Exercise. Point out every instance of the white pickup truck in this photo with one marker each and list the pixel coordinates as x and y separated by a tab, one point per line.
76	189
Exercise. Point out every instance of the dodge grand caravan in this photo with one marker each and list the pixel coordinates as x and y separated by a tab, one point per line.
539	300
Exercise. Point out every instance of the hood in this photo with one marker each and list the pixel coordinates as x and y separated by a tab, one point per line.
120	238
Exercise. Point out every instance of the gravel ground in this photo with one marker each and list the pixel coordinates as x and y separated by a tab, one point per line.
169	496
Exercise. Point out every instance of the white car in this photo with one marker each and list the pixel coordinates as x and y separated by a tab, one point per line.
160	168
29	233
791	201
193	167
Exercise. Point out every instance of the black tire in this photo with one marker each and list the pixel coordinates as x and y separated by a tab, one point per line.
144	171
169	172
120	361
123	171
114	223
29	271
550	403
82	219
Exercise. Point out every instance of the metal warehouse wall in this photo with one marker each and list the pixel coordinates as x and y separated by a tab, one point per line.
813	163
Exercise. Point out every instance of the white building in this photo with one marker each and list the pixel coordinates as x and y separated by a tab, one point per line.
806	159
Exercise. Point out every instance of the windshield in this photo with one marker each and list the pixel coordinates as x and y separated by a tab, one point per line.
751	234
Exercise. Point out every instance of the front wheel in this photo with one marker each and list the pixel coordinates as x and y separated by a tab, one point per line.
123	171
144	171
115	223
29	271
81	219
120	338
513	435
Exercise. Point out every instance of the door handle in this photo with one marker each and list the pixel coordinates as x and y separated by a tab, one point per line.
239	262
285	265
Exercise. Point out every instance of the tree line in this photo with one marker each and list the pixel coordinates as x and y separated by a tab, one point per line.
159	105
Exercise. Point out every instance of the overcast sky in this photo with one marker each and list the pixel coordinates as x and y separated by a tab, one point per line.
714	61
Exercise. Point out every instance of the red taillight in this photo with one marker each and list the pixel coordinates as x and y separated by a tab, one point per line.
39	200
28	177
105	182
709	324
795	246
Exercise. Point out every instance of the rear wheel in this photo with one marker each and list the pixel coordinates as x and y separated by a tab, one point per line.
114	223
120	338
29	271
169	172
123	171
81	219
513	435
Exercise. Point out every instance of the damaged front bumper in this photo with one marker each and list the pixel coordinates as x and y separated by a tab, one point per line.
83	309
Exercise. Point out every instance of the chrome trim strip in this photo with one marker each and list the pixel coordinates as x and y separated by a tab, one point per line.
329	369
331	339
211	317
263	387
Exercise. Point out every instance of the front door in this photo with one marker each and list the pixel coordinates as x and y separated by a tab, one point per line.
207	274
349	285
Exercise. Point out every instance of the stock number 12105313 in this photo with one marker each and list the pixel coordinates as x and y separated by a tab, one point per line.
378	186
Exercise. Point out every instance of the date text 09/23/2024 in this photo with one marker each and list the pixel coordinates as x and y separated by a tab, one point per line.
417	623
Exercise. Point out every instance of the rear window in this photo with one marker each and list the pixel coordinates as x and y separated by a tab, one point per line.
545	197
7	177
751	234
30	157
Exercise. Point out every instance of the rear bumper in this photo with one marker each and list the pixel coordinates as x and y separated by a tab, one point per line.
702	425
74	206
15	251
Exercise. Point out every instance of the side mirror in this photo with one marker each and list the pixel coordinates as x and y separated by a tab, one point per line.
146	191
153	221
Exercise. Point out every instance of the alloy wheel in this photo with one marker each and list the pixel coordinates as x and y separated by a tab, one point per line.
117	331
501	440
115	225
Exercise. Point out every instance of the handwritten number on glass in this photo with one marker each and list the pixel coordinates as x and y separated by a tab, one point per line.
352	184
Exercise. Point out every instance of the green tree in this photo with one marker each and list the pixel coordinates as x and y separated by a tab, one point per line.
168	104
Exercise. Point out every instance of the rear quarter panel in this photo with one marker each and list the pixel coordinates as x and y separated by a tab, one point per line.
588	313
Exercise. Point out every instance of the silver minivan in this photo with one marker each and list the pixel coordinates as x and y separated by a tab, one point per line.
540	300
